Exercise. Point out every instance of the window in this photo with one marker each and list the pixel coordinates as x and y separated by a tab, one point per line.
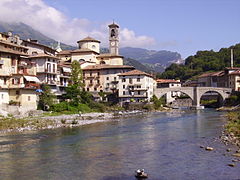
29	98
17	92
138	79
123	80
90	73
115	78
93	46
130	80
2	96
91	81
124	93
98	81
5	81
107	78
87	89
95	89
123	86
54	68
98	73
139	92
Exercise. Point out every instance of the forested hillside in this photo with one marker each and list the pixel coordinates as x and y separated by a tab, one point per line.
203	61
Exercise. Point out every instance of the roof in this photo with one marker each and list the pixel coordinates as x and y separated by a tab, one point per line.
108	55
64	52
232	68
134	73
83	50
167	81
88	39
43	55
12	44
235	73
106	66
11	51
113	25
210	74
35	43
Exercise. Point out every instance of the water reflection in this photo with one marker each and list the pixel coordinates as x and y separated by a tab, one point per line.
165	144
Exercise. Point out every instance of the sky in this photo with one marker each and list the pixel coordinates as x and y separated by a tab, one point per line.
183	26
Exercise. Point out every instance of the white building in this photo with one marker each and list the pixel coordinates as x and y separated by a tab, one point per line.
135	86
169	83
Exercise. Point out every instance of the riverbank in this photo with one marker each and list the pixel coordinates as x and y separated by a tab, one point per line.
231	134
40	122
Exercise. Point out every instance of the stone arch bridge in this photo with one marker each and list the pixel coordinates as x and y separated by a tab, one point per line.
195	93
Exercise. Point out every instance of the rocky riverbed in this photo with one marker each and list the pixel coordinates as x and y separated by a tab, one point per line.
73	120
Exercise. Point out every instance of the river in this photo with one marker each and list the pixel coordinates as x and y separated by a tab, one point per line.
165	144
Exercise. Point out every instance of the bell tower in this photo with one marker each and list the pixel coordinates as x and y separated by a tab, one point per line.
113	38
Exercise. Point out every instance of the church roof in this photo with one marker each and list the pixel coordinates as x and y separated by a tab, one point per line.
83	50
88	39
113	25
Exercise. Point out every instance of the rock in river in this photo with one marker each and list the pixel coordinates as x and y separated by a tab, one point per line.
209	148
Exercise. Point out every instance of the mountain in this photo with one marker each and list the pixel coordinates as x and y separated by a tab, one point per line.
26	32
138	65
157	60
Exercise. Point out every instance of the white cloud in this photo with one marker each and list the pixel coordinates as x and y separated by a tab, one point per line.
58	26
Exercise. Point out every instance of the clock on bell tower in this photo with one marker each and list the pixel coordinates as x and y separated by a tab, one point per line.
113	38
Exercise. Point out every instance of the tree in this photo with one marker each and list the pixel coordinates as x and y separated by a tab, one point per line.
75	92
46	99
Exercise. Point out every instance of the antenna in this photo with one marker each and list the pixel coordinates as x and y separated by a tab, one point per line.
231	58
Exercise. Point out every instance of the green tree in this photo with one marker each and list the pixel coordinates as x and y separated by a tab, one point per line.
74	90
46	99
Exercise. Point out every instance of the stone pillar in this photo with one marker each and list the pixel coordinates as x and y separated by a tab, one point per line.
196	98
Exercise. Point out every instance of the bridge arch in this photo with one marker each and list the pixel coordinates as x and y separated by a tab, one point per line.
195	93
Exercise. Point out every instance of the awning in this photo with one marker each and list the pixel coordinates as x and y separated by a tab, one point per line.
66	69
32	78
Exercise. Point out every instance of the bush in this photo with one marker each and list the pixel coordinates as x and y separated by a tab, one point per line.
83	108
97	106
62	106
149	107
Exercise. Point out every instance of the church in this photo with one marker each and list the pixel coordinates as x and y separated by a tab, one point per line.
88	52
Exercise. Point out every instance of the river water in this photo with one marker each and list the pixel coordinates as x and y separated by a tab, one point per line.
166	145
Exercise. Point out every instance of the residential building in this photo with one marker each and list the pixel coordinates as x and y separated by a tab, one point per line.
136	86
169	83
209	79
103	77
18	79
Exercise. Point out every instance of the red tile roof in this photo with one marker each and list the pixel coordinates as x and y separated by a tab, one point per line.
134	73
167	81
88	39
106	66
210	74
43	55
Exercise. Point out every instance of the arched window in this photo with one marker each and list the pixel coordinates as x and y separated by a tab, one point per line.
81	60
102	62
93	46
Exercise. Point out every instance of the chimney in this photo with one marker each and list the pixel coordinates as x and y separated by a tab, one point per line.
231	58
